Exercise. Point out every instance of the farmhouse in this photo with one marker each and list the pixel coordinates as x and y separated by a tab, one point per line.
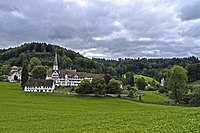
15	74
39	85
69	77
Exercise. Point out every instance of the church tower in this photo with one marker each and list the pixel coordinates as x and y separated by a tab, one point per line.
55	65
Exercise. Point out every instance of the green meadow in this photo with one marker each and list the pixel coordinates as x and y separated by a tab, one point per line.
44	112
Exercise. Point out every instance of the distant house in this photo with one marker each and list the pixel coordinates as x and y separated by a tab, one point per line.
69	77
162	82
15	74
39	85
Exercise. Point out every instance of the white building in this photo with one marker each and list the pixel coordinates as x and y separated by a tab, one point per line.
39	85
69	77
162	82
14	75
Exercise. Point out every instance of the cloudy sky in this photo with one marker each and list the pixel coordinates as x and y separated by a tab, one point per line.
105	28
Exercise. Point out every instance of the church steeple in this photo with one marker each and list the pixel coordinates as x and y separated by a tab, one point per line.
55	65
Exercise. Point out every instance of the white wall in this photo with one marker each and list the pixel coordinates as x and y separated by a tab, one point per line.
39	89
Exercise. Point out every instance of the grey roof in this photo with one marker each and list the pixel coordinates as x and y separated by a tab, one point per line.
39	82
72	73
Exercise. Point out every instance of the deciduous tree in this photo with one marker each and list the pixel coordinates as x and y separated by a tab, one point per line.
114	87
84	87
177	81
39	72
34	62
99	86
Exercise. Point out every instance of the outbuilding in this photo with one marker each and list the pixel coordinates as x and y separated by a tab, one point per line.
39	85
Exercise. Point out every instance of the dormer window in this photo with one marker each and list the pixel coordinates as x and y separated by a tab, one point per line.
76	76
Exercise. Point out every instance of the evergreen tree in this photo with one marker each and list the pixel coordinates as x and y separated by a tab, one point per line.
129	78
141	84
24	77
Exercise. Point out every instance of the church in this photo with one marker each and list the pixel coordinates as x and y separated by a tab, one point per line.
69	77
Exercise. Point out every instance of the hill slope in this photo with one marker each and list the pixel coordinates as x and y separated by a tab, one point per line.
36	112
147	79
46	52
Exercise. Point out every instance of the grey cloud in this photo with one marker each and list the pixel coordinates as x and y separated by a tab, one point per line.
191	11
101	28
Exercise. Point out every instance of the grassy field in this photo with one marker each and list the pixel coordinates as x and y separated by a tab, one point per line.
147	79
195	83
153	97
39	112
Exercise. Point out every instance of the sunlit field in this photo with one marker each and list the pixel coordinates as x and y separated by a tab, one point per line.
45	112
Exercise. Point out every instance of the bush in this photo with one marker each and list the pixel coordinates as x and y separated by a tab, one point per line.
195	100
131	93
3	78
162	90
134	89
125	92
84	87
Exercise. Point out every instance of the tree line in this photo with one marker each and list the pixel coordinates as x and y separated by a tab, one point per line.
70	59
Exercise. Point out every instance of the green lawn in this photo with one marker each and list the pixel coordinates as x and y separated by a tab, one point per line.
39	112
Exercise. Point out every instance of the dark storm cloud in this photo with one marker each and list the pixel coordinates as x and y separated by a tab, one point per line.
105	28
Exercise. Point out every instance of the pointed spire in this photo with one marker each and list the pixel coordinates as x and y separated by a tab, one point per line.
55	65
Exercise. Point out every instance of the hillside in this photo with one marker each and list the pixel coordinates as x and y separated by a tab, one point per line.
154	68
195	83
42	112
153	97
46	52
147	79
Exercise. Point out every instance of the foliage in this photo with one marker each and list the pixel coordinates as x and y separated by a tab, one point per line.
163	90
24	76
129	79
177	81
153	97
141	84
195	83
33	62
131	93
39	72
114	87
150	88
107	78
65	62
5	69
111	71
84	87
148	80
98	86
196	97
193	72
3	78
66	58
